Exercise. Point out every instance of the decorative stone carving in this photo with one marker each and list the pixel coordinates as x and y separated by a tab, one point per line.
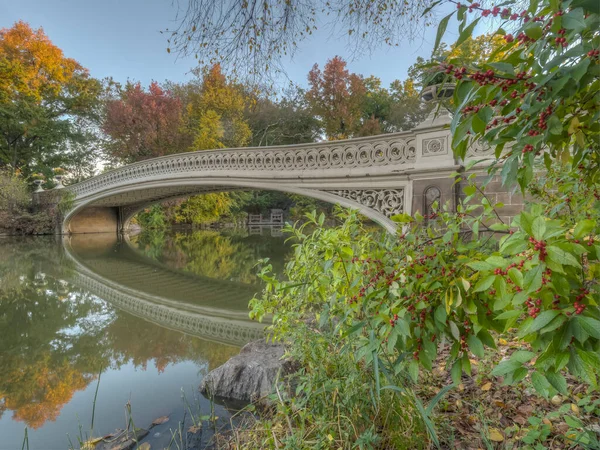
479	148
386	201
378	151
434	147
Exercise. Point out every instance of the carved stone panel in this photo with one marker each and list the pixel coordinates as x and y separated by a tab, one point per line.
386	201
434	147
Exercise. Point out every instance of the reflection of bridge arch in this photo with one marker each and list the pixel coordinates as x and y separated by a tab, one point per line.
208	322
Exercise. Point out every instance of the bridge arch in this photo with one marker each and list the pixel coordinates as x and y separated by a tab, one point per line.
122	203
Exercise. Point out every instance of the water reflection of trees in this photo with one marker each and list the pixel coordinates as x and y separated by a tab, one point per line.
55	337
231	256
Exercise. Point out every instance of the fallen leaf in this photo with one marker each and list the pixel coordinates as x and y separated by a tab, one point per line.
556	400
486	386
575	409
160	420
461	387
526	410
496	435
194	429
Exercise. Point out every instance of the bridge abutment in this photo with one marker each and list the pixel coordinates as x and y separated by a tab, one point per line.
95	219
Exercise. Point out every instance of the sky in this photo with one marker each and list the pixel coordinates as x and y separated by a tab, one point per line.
122	39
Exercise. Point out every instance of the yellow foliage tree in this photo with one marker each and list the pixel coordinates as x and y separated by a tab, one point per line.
215	116
478	49
220	113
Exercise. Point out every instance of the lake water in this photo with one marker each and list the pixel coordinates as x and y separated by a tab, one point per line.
150	314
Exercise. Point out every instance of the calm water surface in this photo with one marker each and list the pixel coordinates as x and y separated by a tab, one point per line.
151	314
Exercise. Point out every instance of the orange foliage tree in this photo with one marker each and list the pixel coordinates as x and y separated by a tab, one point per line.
47	101
336	96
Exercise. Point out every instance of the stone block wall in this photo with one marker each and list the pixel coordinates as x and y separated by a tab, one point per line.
512	200
443	189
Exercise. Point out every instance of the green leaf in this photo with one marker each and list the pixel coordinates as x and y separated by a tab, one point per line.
562	360
534	31
538	228
583	228
557	381
588	5
440	31
522	356
540	384
562	257
533	279
590	326
526	220
486	338
467	32
503	67
539	322
516	276
476	346
433	5
574	20
480	265
469	190
555	125
413	370
574	422
456	371
440	314
454	330
506	367
497	261
509	314
484	284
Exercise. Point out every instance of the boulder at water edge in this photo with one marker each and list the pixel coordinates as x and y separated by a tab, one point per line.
249	375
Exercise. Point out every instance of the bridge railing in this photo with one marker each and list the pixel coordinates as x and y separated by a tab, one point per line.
393	149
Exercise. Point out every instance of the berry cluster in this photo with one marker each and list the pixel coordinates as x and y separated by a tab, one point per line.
539	246
579	307
533	306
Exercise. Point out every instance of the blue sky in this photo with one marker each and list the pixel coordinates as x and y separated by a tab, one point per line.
122	39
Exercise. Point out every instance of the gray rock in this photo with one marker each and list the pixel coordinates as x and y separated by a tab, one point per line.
249	375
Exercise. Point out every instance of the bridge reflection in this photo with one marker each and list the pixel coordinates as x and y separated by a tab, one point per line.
208	308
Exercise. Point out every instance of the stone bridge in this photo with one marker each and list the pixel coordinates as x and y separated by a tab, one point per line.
380	176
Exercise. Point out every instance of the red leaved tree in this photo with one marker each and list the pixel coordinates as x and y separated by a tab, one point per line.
144	124
337	97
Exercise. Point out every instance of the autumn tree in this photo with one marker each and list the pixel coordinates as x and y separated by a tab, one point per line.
284	121
407	109
336	96
49	104
144	124
472	50
217	110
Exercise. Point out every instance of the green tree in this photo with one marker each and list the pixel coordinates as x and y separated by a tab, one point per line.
285	121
